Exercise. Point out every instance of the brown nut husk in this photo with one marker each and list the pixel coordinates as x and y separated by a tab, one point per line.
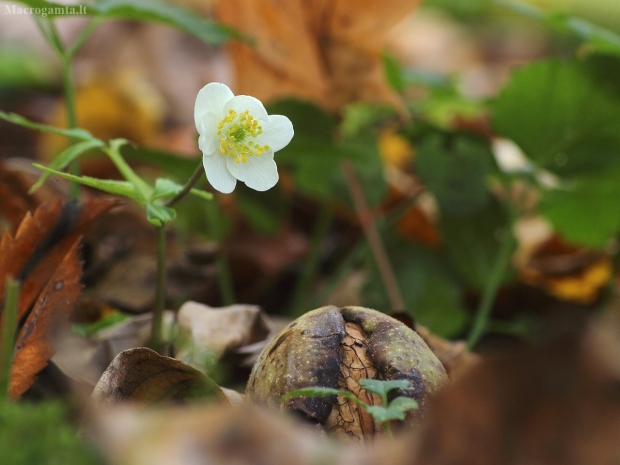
337	347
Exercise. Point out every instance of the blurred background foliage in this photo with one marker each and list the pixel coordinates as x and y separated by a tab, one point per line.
494	123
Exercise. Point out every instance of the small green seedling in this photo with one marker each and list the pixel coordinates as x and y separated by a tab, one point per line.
382	414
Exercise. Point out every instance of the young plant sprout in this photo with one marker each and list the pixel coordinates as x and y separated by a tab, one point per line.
238	138
382	414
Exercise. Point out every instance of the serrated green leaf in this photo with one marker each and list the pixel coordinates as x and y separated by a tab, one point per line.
159	215
455	168
64	158
404	404
77	133
383	387
565	116
122	188
383	414
166	13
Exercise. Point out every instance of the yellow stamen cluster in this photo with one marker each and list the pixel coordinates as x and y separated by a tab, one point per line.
234	130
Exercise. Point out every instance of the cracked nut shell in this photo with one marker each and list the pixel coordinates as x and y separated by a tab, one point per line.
337	347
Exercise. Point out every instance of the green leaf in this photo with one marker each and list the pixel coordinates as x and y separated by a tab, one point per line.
308	119
383	414
64	158
471	243
122	188
165	188
166	13
318	391
431	292
86	330
383	387
404	404
455	168
565	116
77	133
159	214
586	212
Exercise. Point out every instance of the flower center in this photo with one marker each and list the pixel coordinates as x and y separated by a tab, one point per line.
236	132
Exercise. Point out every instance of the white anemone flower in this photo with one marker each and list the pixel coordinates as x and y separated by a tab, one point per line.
238	138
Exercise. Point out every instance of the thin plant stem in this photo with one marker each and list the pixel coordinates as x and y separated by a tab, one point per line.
502	261
128	173
51	35
388	430
84	34
188	185
310	266
224	276
372	236
160	291
9	325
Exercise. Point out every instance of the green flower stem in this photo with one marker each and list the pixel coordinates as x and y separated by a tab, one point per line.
9	325
497	274
84	34
160	291
224	276
188	185
128	173
310	266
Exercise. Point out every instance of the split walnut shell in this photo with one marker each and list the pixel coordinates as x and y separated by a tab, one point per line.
337	347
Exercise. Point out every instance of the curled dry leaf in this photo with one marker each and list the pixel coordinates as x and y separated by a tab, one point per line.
325	51
143	376
35	342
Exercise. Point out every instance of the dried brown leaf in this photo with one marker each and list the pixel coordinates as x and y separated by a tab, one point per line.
35	342
325	51
143	376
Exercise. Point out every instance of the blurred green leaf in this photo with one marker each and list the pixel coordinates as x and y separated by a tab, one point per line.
430	292
176	166
264	212
455	167
86	330
166	13
77	133
586	212
565	116
471	243
64	158
394	73
23	68
309	120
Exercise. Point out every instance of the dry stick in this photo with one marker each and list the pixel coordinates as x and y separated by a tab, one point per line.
372	236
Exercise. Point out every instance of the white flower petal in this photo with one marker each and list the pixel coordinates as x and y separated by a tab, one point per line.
277	133
258	173
209	141
217	173
240	103
211	98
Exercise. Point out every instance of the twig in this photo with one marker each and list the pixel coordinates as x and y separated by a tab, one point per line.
372	236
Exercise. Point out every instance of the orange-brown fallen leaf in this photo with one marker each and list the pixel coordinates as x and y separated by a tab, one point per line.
43	256
326	51
50	315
